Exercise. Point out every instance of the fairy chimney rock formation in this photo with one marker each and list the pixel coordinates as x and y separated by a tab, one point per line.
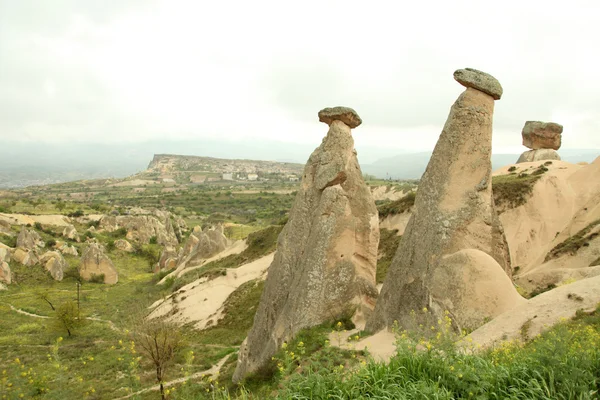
324	267
95	263
453	249
543	138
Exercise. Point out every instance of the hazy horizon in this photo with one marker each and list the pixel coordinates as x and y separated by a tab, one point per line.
137	71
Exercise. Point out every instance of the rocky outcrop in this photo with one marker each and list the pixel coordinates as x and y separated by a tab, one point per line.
24	256
470	77
454	234
203	244
66	248
5	228
141	228
168	259
70	233
542	135
94	263
54	262
124	245
543	138
324	267
29	239
538	155
5	273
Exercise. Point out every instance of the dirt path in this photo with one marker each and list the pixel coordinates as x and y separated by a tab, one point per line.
212	371
18	310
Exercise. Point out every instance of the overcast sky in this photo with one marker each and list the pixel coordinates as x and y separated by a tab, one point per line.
136	70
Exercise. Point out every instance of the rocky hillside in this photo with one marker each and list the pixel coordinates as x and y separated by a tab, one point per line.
170	163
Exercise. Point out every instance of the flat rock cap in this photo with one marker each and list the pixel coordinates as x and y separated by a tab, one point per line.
470	77
344	114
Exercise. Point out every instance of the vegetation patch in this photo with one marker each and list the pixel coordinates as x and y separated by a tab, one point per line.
397	207
388	244
511	191
575	242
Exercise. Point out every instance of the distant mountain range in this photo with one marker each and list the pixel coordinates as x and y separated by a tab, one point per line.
412	165
26	164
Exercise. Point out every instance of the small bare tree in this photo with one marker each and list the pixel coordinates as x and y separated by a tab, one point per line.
158	340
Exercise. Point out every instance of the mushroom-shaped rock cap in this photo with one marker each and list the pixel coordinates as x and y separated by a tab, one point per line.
344	114
479	80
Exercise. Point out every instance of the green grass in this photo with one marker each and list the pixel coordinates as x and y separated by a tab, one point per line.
388	244
563	363
513	190
574	243
398	206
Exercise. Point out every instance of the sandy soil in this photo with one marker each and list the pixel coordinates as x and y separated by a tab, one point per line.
202	301
540	313
564	200
22	219
381	346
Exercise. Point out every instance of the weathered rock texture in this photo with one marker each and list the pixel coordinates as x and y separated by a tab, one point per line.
324	267
453	223
29	239
25	257
141	228
345	114
200	245
70	233
538	155
5	274
479	80
54	262
124	245
95	262
542	135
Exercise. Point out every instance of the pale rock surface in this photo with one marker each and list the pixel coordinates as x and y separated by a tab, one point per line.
66	248
141	228
70	232
5	228
538	314
124	245
538	155
542	135
326	256
25	256
54	262
203	244
473	283
29	239
95	262
454	220
5	274
565	200
4	252
168	259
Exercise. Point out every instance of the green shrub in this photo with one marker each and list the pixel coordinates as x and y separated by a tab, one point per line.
51	243
388	244
397	207
153	240
575	242
96	278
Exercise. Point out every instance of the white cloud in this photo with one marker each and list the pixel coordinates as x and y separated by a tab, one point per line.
233	70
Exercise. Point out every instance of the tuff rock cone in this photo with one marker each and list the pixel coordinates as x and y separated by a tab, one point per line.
324	268
453	257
